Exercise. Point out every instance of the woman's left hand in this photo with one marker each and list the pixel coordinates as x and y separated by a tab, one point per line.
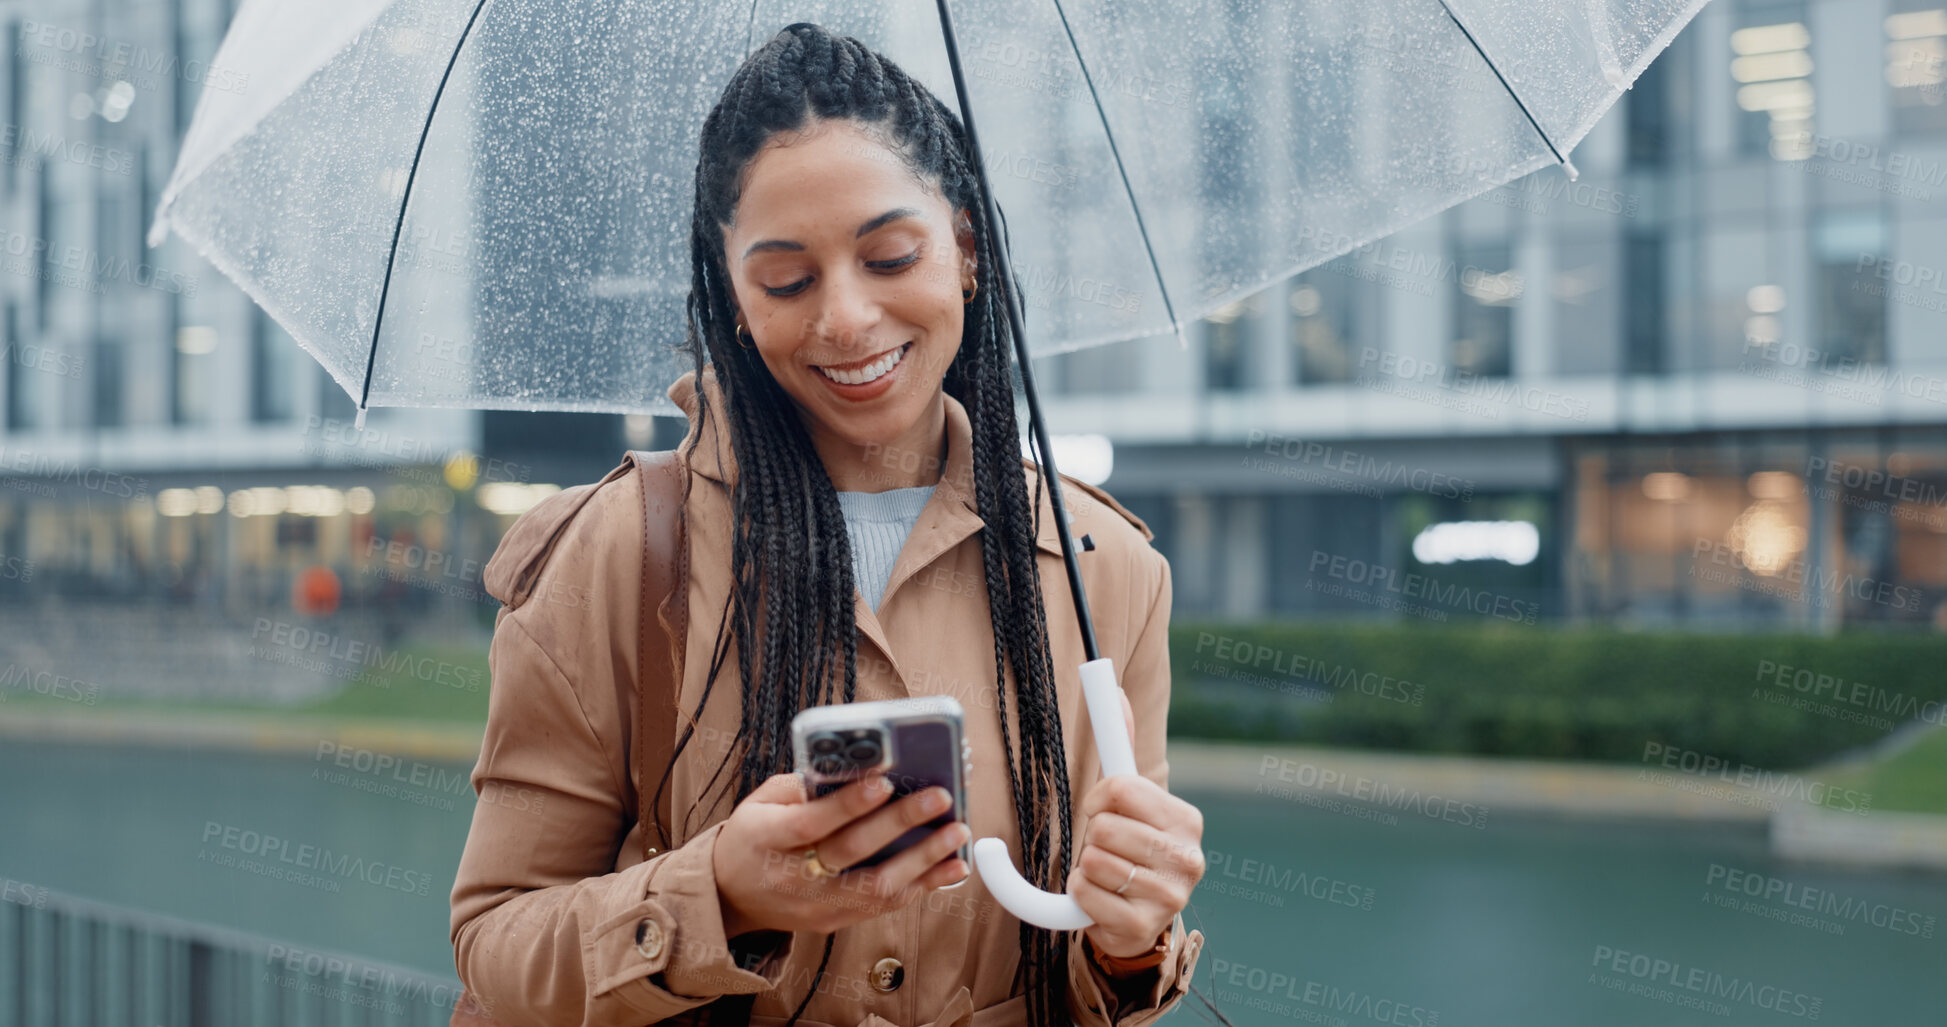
1133	824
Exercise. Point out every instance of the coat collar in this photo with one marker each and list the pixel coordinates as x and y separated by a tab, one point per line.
710	454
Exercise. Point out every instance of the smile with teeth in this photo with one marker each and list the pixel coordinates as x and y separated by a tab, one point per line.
869	373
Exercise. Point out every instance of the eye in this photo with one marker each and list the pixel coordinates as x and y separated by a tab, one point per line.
884	265
789	290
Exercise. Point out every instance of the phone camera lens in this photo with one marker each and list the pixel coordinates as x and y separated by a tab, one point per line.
825	745
864	752
828	765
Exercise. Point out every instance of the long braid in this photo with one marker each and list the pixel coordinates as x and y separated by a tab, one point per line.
791	561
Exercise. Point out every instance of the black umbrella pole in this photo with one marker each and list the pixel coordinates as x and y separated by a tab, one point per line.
1005	276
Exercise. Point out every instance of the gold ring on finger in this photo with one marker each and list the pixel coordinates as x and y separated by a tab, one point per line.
815	866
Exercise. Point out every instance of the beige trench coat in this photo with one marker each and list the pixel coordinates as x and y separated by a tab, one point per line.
552	892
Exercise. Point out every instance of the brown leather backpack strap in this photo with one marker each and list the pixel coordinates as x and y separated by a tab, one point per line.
664	622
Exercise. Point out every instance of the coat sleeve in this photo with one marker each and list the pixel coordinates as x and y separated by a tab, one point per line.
544	930
1094	998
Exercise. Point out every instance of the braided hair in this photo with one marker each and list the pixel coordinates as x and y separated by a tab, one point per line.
791	563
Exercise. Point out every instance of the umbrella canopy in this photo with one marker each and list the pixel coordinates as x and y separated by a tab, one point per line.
450	203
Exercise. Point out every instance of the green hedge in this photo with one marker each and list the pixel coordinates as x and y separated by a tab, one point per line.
1507	690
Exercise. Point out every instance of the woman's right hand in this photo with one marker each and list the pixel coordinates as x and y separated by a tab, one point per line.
764	882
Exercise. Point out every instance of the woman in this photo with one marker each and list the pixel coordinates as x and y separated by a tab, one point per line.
850	411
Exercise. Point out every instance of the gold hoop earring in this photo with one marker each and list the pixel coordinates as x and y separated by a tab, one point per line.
967	295
744	333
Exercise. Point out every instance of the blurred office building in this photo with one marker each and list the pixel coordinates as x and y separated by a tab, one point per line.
1705	384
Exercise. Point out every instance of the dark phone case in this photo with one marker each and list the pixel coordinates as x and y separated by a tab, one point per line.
927	753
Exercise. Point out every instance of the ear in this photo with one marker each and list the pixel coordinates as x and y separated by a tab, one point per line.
963	234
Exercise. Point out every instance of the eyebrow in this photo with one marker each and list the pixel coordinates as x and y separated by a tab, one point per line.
865	229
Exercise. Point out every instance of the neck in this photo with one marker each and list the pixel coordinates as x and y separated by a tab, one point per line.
917	457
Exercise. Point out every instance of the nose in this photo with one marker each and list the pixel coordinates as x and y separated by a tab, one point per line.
847	310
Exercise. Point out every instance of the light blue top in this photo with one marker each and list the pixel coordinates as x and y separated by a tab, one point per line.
877	524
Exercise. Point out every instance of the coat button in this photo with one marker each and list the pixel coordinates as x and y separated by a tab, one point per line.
887	973
649	938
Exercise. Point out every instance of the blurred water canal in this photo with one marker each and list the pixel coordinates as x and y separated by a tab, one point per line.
1311	916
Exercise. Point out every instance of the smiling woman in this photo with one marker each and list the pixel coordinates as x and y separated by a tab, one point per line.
856	307
852	373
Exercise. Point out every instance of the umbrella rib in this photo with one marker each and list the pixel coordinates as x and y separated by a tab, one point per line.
1010	295
1516	97
405	199
1121	170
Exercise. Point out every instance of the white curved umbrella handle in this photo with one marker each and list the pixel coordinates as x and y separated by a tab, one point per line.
1054	910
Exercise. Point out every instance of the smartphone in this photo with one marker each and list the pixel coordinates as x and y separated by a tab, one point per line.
918	742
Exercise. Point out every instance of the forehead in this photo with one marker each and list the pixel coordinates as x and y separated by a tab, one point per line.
852	175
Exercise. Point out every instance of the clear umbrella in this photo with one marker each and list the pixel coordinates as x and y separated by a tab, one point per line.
451	204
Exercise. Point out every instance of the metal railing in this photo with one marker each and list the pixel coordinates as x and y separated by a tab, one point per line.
66	961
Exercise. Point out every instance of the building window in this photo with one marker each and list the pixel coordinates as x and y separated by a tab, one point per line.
19	418
1585	292
273	369
191	363
1327	320
15	79
1916	65
48	233
334	404
1644	351
1771	61
1227	335
108	388
1647	110
1114	368
1486	287
1852	302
